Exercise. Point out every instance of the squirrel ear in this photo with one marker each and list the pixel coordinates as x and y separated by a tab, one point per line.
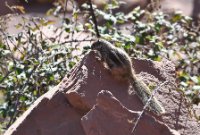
94	44
98	40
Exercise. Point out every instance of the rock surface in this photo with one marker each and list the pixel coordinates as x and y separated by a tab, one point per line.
109	110
90	102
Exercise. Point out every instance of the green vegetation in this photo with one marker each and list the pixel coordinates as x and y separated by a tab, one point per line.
31	62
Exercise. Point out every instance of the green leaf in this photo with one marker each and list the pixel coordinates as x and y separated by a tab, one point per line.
67	20
184	84
196	87
11	65
194	79
71	64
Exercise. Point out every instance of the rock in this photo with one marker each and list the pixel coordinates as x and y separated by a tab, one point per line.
4	9
79	106
49	115
119	120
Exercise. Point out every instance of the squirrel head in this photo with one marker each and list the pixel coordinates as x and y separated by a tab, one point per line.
100	43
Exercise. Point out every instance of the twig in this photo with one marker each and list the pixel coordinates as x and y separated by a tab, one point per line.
74	20
7	74
15	112
8	6
94	19
65	9
2	87
146	105
75	40
63	20
6	38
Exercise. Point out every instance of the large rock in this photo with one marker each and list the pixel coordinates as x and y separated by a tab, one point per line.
90	102
119	120
51	114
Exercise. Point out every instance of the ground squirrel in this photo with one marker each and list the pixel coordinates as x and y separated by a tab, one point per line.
120	66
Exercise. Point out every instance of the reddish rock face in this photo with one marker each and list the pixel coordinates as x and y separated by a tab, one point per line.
91	102
110	117
50	115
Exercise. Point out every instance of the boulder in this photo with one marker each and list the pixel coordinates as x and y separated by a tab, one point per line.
89	101
120	120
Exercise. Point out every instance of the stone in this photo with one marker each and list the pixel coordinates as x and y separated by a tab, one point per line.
110	117
89	101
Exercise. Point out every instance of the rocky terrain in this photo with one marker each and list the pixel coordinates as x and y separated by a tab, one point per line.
89	101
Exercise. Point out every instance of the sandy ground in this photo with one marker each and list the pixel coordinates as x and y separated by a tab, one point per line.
186	6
